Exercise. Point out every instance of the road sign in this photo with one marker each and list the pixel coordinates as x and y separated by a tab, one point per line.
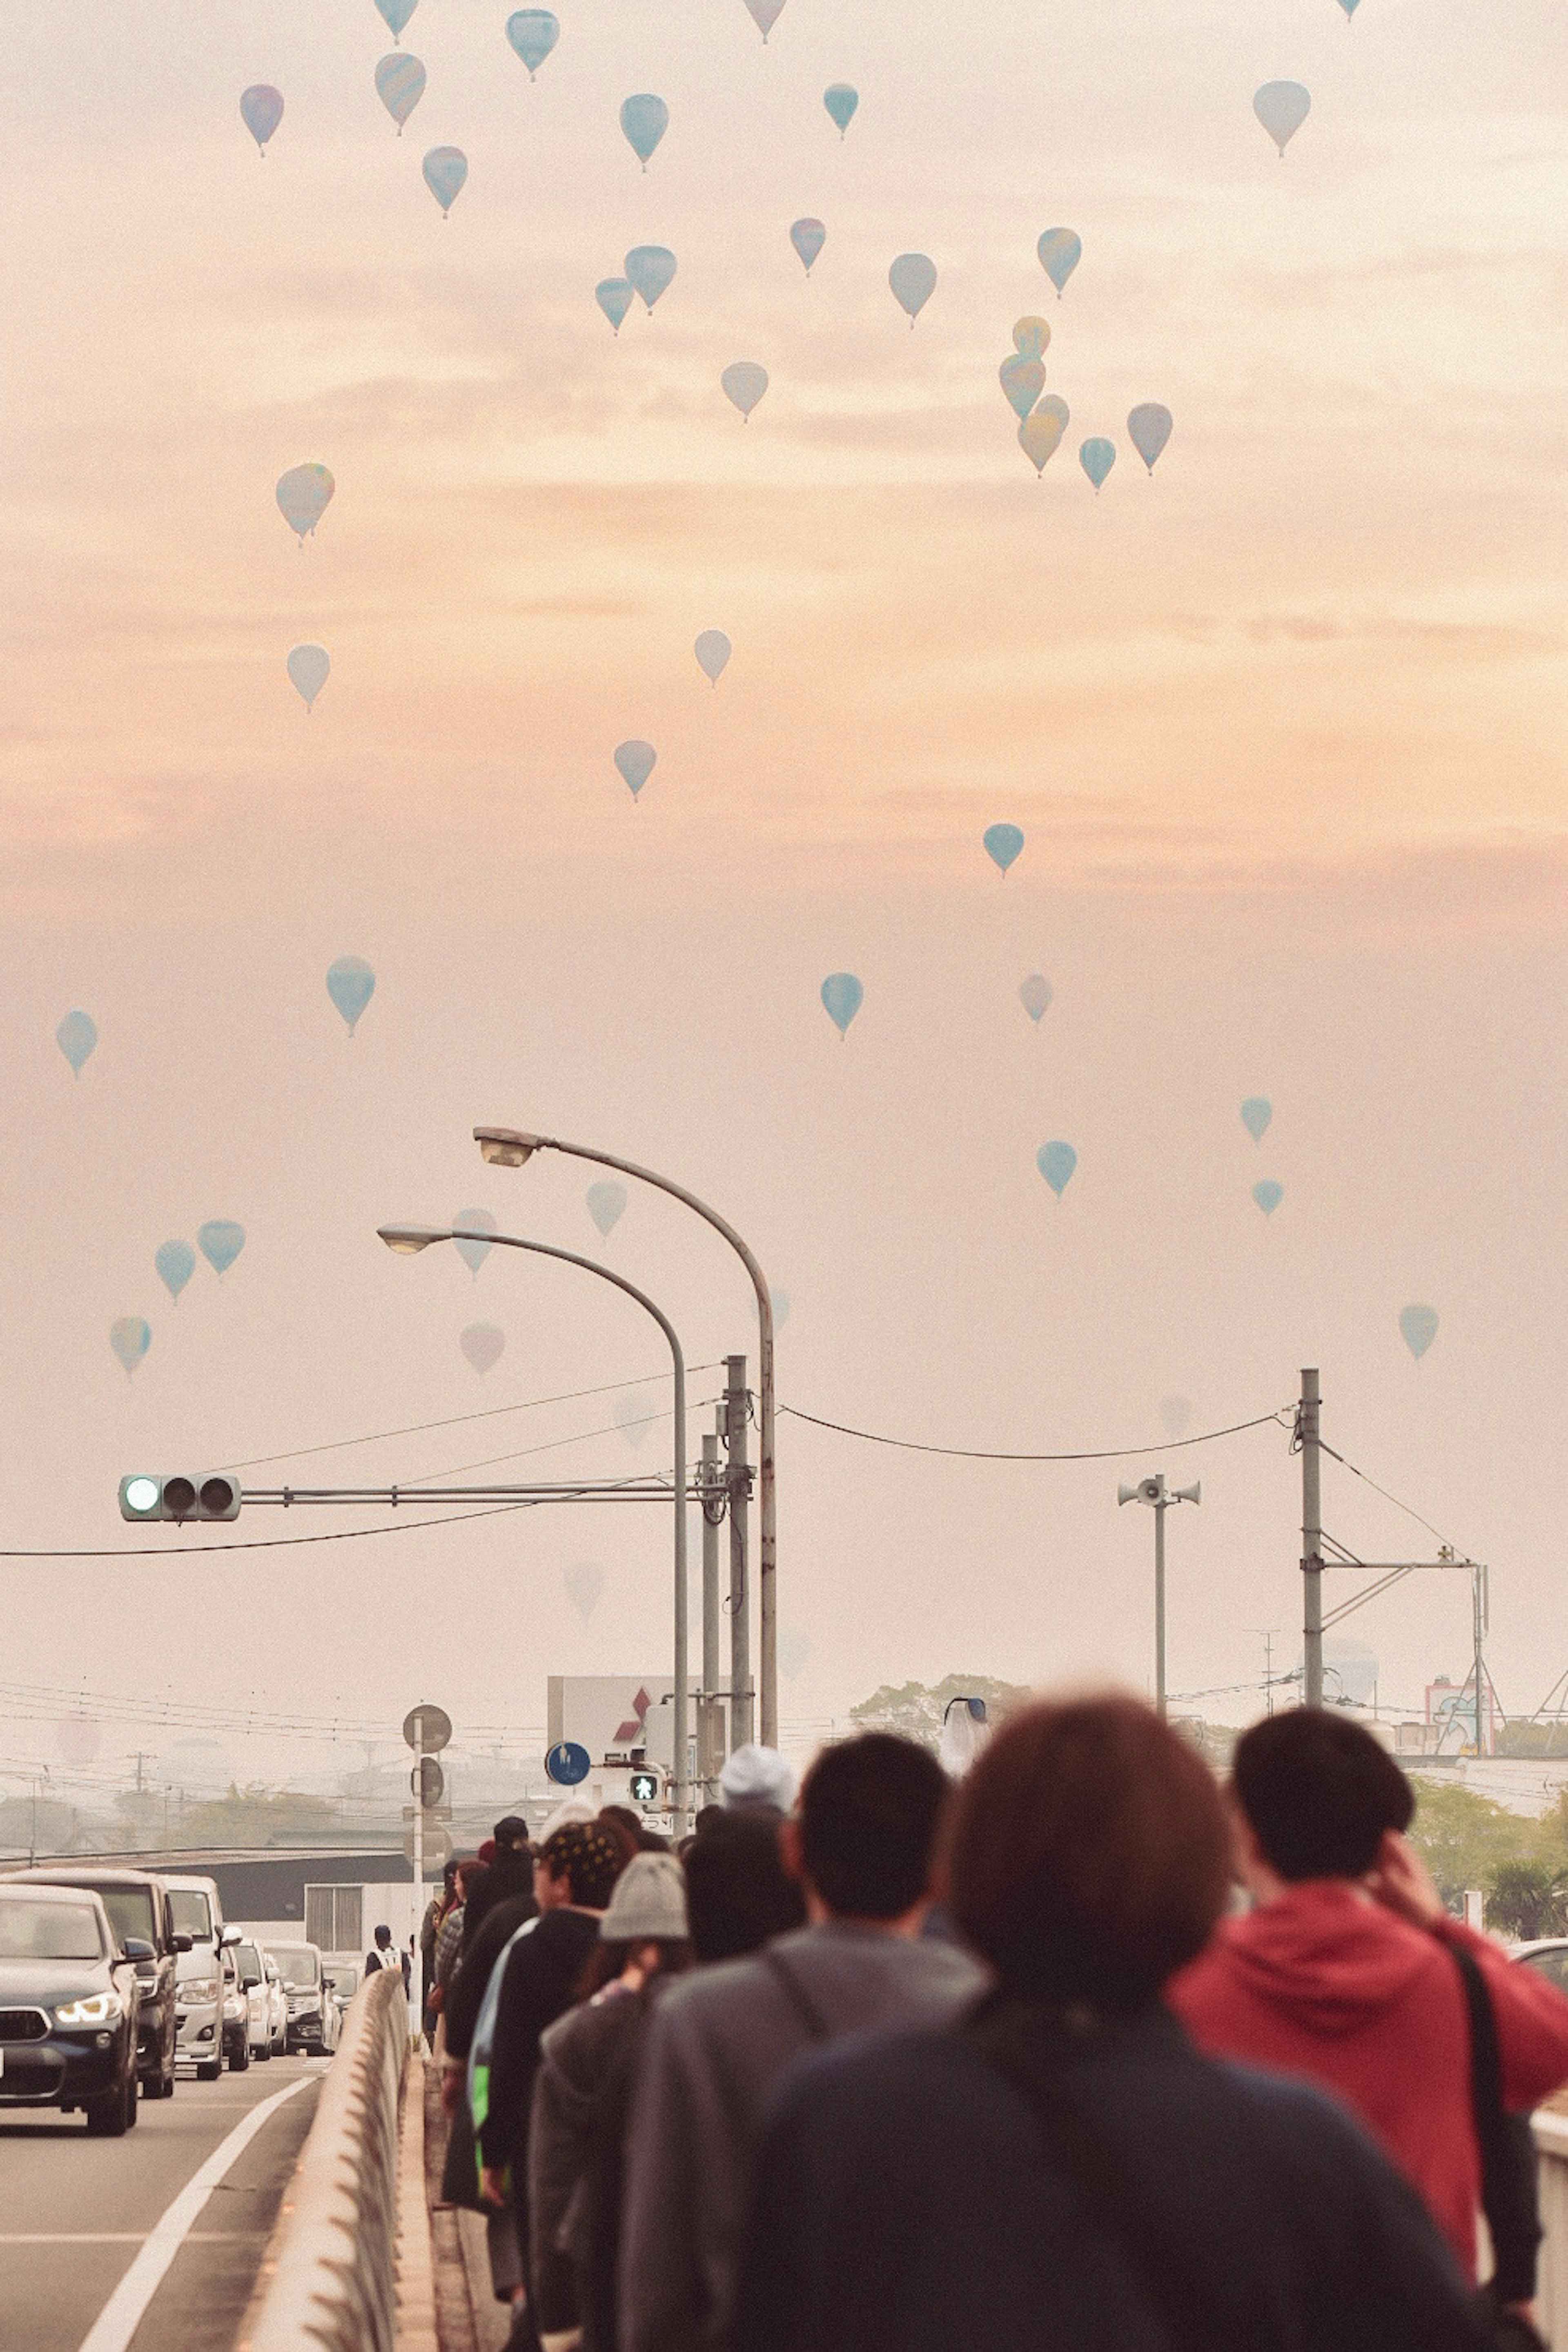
437	1846
429	1727
427	1782
644	1788
567	1763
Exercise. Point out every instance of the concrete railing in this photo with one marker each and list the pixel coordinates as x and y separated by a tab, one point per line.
335	2280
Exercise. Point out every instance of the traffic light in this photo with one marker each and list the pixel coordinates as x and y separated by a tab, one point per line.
183	1496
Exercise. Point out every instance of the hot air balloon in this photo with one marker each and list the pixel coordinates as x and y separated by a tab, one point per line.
1282	107
1176	1413
632	1416
809	237
220	1241
1419	1329
1148	429
307	667
351	985
614	297
1002	844
744	383
606	1206
1056	1162
534	33
764	14
584	1583
645	120
175	1262
482	1345
913	278
76	1038
842	997
304	494
841	102
1097	458
1060	250
261	110
445	169
129	1338
1031	337
474	1252
395	13
1255	1113
1042	429
1268	1194
712	651
1035	996
399	85
650	268
634	760
1023	379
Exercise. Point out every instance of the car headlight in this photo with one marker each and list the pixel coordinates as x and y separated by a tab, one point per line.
92	2008
198	1989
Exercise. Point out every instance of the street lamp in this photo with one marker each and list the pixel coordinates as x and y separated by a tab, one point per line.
407	1241
509	1147
1154	1491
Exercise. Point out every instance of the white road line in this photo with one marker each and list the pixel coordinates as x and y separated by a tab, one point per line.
121	2316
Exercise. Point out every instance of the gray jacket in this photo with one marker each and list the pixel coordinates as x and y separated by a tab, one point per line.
717	2046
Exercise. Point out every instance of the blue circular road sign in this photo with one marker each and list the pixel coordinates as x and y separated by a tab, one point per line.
567	1763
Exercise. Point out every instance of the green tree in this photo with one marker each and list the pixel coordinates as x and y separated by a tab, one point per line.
1526	1899
254	1815
1465	1837
915	1710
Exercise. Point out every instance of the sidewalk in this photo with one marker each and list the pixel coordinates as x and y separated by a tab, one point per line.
466	2316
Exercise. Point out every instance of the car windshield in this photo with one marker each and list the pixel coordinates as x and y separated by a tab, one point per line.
129	1910
344	1982
250	1960
298	1965
49	1931
191	1913
1552	1964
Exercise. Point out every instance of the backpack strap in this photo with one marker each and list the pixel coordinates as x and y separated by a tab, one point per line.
1510	2197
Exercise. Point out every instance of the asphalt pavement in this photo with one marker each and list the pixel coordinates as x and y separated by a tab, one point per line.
76	2213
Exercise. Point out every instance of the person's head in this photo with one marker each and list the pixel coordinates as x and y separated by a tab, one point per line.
864	1843
450	1874
757	1779
383	1938
1318	1794
578	1865
511	1834
487	1853
737	1892
645	1931
466	1875
630	1821
1088	1856
623	1834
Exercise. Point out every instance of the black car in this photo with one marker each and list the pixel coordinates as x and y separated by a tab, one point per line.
68	2006
137	1903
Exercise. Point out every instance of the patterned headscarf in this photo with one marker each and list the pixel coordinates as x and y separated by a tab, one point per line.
587	1856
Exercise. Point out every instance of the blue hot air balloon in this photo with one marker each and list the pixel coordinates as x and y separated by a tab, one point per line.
645	120
1035	996
764	14
304	494
482	1345
712	651
842	997
1040	433
1056	1162
634	760
1268	1194
1419	1329
395	13
175	1261
445	169
1255	1113
76	1038
474	1252
1003	843
220	1241
351	985
1282	107
809	237
1031	337
1023	379
534	33
1097	458
606	1206
307	667
261	110
1148	429
841	102
614	297
584	1583
743	383
129	1338
1060	250
400	85
913	277
650	268
1350	8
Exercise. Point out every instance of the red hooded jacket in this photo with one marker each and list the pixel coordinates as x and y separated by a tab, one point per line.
1326	1984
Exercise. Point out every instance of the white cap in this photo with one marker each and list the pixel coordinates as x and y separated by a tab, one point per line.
755	1778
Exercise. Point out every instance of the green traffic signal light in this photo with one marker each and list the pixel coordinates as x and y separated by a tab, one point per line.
180	1496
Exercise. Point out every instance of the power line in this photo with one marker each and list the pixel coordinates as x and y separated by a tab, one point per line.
274	1543
980	1453
1408	1508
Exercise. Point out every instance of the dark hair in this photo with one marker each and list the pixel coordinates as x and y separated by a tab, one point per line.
605	1961
1088	1854
1320	1793
627	1818
869	1811
737	1892
612	1820
588	1857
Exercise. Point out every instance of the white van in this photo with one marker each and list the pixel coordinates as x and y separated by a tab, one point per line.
198	1911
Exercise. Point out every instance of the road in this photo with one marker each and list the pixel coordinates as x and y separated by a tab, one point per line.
76	2213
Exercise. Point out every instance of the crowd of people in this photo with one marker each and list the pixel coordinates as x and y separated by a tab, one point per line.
1088	2051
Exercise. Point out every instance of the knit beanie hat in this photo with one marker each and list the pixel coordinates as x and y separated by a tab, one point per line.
755	1777
583	1853
649	1900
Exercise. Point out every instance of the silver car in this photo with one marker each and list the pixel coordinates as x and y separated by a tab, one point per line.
312	2011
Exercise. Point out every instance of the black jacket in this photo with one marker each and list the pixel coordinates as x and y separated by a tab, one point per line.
906	2199
509	1874
466	1994
542	1974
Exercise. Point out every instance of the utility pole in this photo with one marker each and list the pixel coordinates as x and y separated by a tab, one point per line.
1479	1601
710	1705
1307	1434
1159	1497
737	1402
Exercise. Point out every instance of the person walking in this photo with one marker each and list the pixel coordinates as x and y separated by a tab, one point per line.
719	2041
739	1894
580	2101
1059	2170
509	1874
381	1954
